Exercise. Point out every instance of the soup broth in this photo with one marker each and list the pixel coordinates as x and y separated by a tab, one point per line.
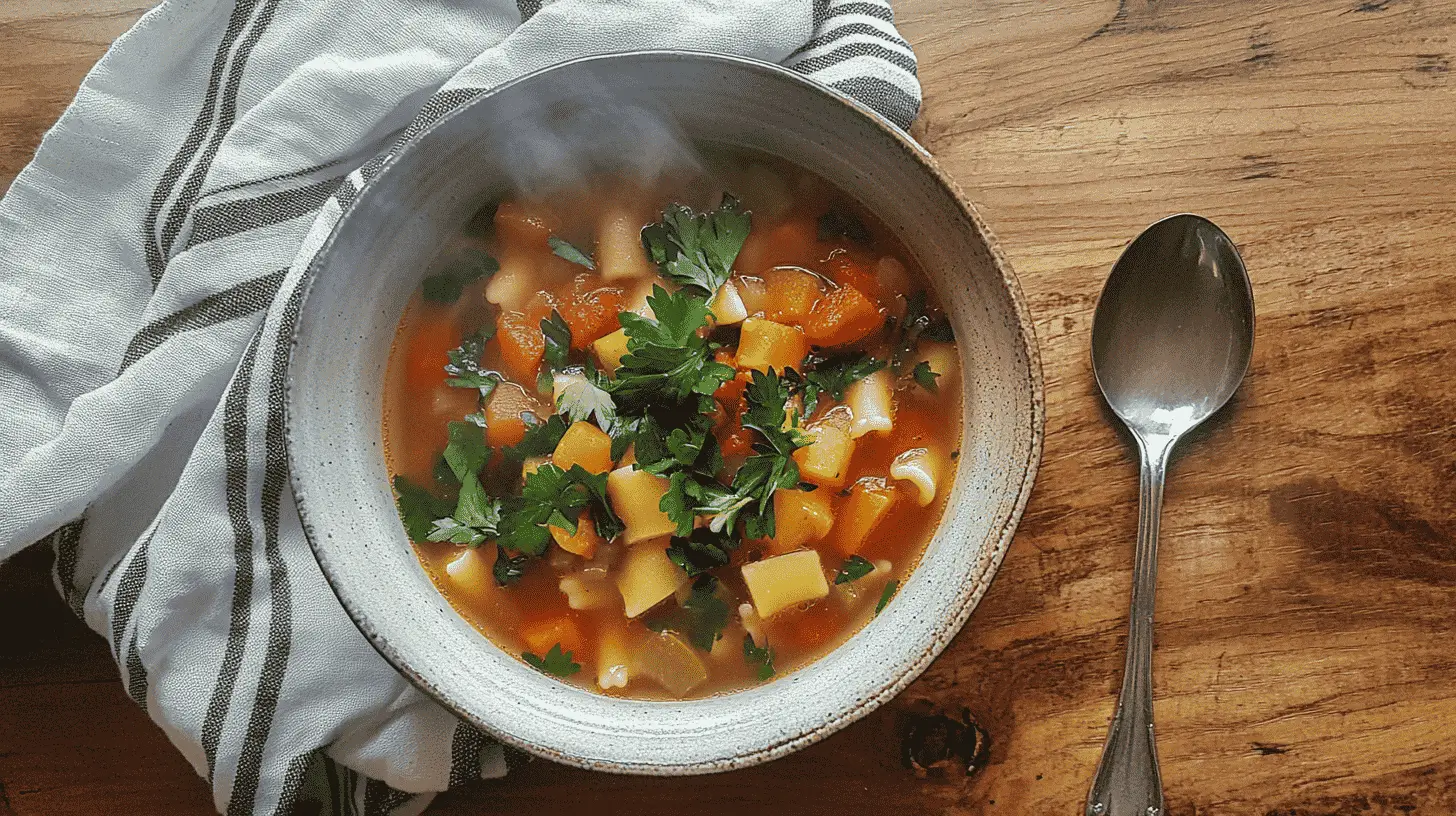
671	440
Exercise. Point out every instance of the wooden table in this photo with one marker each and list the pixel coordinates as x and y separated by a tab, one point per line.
1304	660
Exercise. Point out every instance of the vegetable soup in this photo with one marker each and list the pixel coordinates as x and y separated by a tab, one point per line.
671	441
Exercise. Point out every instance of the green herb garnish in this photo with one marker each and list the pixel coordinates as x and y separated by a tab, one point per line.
834	375
925	376
702	550
466	451
418	508
697	250
565	249
700	619
855	567
541	438
557	356
666	361
915	324
585	399
554	663
464	366
476	518
885	596
508	568
447	286
762	658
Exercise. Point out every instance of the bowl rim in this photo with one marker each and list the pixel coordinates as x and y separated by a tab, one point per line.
912	666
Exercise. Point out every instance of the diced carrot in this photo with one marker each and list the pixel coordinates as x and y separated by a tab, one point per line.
730	393
503	422
846	269
725	357
541	635
791	295
843	316
590	310
583	542
584	444
428	349
734	439
525	225
521	344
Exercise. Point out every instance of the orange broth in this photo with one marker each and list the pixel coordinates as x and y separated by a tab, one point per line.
790	270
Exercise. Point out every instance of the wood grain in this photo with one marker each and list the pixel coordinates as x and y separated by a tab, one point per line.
1303	661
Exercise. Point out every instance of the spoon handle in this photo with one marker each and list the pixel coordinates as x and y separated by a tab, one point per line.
1127	781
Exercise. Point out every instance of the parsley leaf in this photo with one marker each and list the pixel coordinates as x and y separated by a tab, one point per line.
508	568
834	375
565	249
760	657
666	361
702	550
757	480
466	452
841	222
552	497
540	440
916	323
583	399
855	567
925	376
558	349
476	518
701	618
767	398
554	663
697	250
446	286
885	596
464	366
418	508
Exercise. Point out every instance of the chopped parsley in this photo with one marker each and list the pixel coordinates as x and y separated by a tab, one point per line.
476	518
925	376
834	375
885	596
558	350
418	508
508	568
918	323
702	550
855	567
555	662
667	361
466	452
584	399
565	249
701	618
697	250
541	438
464	366
759	657
447	286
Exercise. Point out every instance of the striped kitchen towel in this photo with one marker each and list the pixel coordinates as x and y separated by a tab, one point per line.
150	259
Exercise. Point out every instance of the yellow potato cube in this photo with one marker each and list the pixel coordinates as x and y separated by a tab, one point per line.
800	516
584	444
727	307
784	581
764	344
664	658
869	502
825	460
619	252
647	576
636	495
610	350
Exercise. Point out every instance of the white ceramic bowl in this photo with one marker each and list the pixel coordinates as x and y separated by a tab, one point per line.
375	259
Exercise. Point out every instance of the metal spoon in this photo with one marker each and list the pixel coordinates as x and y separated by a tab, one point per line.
1171	340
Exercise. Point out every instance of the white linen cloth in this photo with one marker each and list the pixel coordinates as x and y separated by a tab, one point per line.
149	262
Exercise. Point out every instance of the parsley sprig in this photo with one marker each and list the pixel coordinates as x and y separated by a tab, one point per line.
701	618
759	657
464	363
476	519
834	375
697	250
855	567
556	662
563	248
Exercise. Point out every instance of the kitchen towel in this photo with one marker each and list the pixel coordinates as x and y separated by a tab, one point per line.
150	260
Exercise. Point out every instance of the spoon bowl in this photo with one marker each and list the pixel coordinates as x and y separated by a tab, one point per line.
1171	341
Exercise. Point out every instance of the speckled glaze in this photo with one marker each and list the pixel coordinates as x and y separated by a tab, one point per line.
374	260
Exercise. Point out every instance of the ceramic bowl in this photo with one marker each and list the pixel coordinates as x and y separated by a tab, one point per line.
364	276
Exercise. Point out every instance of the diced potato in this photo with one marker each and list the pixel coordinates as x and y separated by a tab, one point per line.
584	444
470	571
636	495
943	360
647	576
727	306
872	403
532	464
514	284
541	635
800	516
784	581
869	502
672	664
610	349
921	467
753	292
583	542
764	345
825	460
614	655
619	253
585	591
